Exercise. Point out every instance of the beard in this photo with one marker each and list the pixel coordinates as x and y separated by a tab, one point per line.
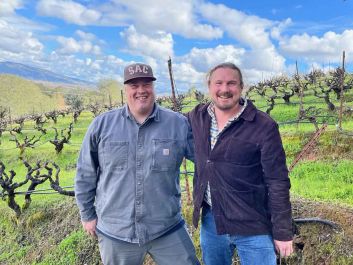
231	103
225	106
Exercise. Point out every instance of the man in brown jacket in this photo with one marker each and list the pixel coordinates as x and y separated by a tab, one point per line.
241	180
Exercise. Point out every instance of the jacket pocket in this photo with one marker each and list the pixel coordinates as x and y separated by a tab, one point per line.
165	153
116	155
242	205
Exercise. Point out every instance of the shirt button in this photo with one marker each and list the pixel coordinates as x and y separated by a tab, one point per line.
208	161
138	202
139	183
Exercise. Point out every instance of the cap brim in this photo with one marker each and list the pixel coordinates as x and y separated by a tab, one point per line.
140	77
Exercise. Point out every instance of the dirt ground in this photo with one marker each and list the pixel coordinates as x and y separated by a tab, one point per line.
321	244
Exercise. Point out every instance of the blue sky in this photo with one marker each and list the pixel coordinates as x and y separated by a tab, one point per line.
94	40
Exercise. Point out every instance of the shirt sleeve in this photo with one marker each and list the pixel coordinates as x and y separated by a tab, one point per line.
276	178
87	175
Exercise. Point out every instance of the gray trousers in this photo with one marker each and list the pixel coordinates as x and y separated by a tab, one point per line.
175	248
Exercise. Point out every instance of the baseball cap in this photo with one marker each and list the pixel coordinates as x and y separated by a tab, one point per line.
138	70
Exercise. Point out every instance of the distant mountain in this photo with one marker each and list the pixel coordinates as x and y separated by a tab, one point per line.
37	74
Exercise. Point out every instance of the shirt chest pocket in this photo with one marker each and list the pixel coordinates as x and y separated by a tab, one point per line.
164	154
116	155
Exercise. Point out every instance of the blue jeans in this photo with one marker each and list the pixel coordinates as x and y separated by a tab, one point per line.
219	249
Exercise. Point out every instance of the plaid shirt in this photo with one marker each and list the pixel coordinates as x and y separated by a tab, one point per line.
215	133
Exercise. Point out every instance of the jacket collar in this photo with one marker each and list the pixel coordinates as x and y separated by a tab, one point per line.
249	113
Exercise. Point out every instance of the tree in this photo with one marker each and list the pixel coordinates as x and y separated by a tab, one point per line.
74	101
110	91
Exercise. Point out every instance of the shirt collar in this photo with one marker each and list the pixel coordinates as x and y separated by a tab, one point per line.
243	102
154	115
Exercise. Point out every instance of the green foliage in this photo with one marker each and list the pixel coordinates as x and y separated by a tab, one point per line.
74	101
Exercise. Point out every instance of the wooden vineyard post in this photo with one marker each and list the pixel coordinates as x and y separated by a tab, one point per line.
308	147
301	92
341	94
122	97
187	186
172	83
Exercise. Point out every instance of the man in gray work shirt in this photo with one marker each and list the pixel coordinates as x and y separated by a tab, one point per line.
127	183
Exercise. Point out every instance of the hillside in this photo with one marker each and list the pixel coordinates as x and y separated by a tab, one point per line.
38	74
25	96
22	96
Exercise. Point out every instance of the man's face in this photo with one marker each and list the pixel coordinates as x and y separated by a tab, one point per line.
140	96
225	89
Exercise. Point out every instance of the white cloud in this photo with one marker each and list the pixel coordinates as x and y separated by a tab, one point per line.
277	30
90	69
327	48
69	11
185	72
252	75
70	46
253	32
85	35
191	68
8	13
177	17
8	7
266	59
18	42
203	59
158	45
24	24
249	30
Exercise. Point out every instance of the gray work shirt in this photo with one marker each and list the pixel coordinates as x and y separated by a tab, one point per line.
128	174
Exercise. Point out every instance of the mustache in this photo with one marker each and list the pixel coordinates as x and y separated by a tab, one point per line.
225	94
143	94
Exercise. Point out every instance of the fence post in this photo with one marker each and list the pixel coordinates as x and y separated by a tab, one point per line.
187	186
172	83
341	93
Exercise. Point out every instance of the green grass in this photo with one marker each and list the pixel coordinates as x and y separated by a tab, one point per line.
324	180
65	253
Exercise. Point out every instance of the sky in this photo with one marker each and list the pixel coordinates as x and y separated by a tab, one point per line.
94	40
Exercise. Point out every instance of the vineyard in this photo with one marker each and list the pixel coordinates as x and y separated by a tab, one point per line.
39	222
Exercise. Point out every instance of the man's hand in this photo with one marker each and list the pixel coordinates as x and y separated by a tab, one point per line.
90	227
284	248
